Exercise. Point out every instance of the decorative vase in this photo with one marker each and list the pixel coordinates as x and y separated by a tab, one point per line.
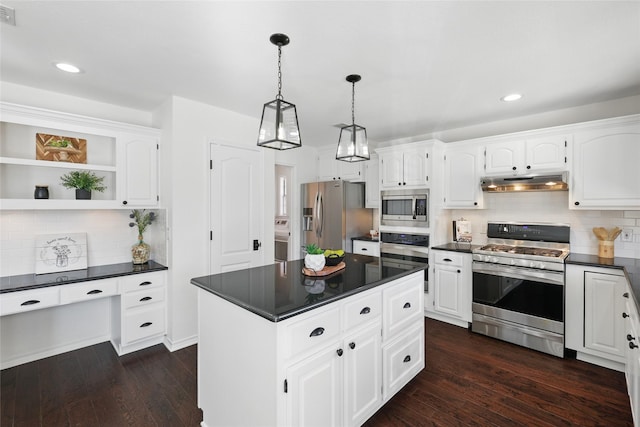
314	262
140	252
82	194
41	192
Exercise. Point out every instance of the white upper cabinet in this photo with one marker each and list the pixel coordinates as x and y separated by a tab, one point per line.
405	166
330	169
138	170
461	177
525	156
125	156
372	186
606	166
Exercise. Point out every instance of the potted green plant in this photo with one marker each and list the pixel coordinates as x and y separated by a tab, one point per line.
314	259
84	182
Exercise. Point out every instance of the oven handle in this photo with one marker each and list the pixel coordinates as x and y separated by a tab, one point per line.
552	277
413	207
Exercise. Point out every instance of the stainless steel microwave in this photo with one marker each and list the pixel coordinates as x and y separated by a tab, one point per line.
405	207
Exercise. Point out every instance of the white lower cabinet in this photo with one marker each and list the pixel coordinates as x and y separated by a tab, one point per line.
364	247
632	367
594	324
450	289
138	316
333	366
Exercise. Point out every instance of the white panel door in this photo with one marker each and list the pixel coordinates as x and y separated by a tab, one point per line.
603	308
236	206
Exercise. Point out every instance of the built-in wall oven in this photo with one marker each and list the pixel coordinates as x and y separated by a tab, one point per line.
405	251
518	285
405	208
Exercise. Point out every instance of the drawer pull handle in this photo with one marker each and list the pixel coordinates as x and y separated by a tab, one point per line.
339	351
145	299
352	345
365	310
406	359
145	324
626	295
406	305
30	302
144	283
317	332
95	291
363	249
447	259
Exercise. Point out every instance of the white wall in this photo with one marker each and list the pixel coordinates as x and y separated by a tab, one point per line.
188	129
546	206
109	237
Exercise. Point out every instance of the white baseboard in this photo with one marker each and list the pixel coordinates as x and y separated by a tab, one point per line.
453	321
600	361
52	352
180	344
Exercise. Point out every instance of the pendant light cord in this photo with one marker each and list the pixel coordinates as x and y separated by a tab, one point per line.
279	96
353	103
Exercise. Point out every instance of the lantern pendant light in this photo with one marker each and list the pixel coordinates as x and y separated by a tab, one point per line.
352	145
279	125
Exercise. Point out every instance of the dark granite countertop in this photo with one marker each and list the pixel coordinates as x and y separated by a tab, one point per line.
25	282
457	247
279	291
366	238
630	266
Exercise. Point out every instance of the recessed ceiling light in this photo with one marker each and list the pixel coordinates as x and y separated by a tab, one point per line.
69	68
511	97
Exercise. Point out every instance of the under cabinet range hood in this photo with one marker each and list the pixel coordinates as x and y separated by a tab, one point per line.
546	182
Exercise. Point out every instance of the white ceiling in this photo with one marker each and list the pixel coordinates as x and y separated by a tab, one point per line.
425	66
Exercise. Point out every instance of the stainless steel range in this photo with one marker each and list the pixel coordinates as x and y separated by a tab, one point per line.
518	285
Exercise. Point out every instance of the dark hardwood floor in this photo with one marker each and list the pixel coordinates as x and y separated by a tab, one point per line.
470	380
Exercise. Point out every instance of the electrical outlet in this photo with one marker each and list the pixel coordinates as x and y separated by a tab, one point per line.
626	235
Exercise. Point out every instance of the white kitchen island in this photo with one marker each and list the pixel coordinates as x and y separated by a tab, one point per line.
277	348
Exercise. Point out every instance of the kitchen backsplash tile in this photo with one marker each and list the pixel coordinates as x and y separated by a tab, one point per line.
109	237
553	207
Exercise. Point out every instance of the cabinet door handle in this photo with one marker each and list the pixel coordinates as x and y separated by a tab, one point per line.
339	351
626	295
124	202
406	305
625	315
145	299
447	259
632	345
352	345
95	291
406	359
630	338
30	302
317	332
365	310
458	271
514	168
144	283
145	324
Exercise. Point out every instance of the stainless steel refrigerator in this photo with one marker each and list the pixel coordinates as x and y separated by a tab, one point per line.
332	213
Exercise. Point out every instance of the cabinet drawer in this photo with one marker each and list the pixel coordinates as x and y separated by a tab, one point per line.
315	331
366	248
402	304
143	323
402	360
17	302
137	282
142	298
449	258
362	310
88	290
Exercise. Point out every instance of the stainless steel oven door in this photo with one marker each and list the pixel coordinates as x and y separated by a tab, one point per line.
405	257
524	296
